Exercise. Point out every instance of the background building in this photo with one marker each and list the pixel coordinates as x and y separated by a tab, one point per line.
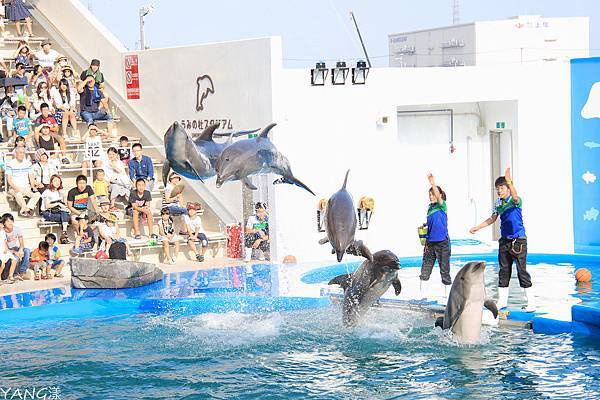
525	38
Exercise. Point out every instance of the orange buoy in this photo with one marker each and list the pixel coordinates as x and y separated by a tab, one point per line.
289	259
583	275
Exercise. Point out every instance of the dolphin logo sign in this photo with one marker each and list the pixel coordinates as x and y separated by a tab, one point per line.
204	88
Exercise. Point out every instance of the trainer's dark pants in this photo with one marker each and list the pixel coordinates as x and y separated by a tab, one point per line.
253	237
439	251
513	250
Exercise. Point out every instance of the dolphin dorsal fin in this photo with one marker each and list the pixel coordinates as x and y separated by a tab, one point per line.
207	134
345	180
265	132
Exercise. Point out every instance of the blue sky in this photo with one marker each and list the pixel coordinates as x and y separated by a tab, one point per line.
312	30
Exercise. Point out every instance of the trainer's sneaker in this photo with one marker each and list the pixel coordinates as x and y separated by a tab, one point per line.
199	257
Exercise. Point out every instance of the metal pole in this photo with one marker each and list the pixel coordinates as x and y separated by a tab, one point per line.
361	39
142	41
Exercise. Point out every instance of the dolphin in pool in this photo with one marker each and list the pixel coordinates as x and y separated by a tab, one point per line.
465	304
254	156
340	225
194	157
367	284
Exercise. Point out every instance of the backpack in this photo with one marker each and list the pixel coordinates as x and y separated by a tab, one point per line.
117	251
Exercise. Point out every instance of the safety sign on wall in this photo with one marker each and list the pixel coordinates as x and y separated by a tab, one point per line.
132	77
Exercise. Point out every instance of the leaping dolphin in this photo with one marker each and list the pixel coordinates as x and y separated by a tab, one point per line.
193	157
465	304
254	156
367	284
340	225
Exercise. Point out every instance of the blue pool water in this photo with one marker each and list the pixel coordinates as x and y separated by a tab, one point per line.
265	332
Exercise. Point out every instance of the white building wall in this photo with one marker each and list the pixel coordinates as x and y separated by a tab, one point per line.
326	130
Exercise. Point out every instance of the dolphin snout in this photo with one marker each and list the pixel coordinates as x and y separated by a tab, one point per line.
219	182
480	265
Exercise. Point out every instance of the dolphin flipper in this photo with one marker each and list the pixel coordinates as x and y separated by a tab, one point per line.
454	309
439	322
165	171
491	305
397	286
195	159
358	248
246	181
343	280
324	240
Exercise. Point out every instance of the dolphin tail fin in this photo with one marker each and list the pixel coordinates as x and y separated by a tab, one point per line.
358	248
439	322
397	286
293	181
265	132
165	171
342	280
246	181
491	305
324	240
345	180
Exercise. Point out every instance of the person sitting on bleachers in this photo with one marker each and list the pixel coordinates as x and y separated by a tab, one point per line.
67	73
45	118
38	261
38	98
100	185
42	170
173	202
17	12
110	233
57	73
257	232
79	198
124	150
37	76
94	72
16	245
21	75
23	55
93	155
64	100
166	229
46	56
8	261
55	260
195	230
22	127
84	241
54	208
141	167
140	206
90	97
20	183
120	185
8	109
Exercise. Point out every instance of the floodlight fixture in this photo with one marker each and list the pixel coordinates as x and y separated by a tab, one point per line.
318	75
360	73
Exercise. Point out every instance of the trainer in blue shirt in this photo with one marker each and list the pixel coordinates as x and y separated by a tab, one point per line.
140	166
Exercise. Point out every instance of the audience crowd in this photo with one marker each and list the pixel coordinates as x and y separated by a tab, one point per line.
42	104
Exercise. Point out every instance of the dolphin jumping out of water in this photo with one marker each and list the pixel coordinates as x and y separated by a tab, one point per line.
465	304
254	156
367	284
340	225
193	157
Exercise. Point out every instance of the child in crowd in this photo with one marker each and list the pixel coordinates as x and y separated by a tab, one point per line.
195	231
257	232
55	260
140	207
437	246
173	201
513	241
124	149
23	126
166	230
110	233
100	186
38	261
93	154
8	263
85	236
104	213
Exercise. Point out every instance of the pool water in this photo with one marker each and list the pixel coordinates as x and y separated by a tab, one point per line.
265	332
